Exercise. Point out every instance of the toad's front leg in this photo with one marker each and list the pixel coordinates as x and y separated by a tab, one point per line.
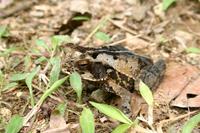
125	96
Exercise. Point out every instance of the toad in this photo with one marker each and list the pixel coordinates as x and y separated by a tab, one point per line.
115	69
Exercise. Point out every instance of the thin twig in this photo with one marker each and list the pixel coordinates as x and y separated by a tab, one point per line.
167	121
130	31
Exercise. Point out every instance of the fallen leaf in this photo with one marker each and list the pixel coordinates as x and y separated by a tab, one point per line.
57	124
138	105
179	80
190	96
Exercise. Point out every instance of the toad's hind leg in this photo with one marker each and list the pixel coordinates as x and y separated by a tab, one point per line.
152	75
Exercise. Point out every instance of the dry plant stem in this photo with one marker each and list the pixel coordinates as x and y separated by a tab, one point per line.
129	30
124	40
102	21
171	120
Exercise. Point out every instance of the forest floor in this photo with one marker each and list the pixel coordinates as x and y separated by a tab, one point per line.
139	25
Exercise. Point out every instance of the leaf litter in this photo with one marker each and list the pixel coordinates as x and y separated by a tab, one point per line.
138	25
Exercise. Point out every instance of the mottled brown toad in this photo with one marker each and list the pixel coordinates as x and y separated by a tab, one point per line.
116	69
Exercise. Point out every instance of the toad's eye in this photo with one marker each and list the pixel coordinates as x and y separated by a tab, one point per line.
82	64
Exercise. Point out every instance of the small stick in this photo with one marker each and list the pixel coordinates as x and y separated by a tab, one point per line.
160	124
129	30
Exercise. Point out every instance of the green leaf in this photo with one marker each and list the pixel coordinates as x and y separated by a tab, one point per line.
121	128
191	124
27	62
87	121
61	108
1	79
167	3
18	76
15	124
7	51
146	93
112	112
10	86
48	92
193	50
55	72
57	40
41	43
28	82
3	31
81	18
76	84
102	36
40	59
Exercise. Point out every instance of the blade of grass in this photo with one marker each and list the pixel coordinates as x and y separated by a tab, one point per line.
28	82
47	93
102	36
18	76
193	50
112	112
121	128
15	124
191	123
167	3
76	84
55	72
146	93
87	121
41	43
61	108
10	86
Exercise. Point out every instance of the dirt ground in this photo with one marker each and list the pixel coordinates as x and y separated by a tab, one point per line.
139	25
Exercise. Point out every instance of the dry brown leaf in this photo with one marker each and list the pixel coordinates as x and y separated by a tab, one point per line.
138	105
190	96
177	81
57	124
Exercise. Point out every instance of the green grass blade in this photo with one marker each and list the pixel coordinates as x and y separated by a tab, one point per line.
10	86
191	123
4	31
58	40
193	50
81	18
28	82
27	62
146	93
87	121
167	3
55	72
40	59
112	112
18	76
76	84
121	128
102	36
41	43
48	92
15	124
61	108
